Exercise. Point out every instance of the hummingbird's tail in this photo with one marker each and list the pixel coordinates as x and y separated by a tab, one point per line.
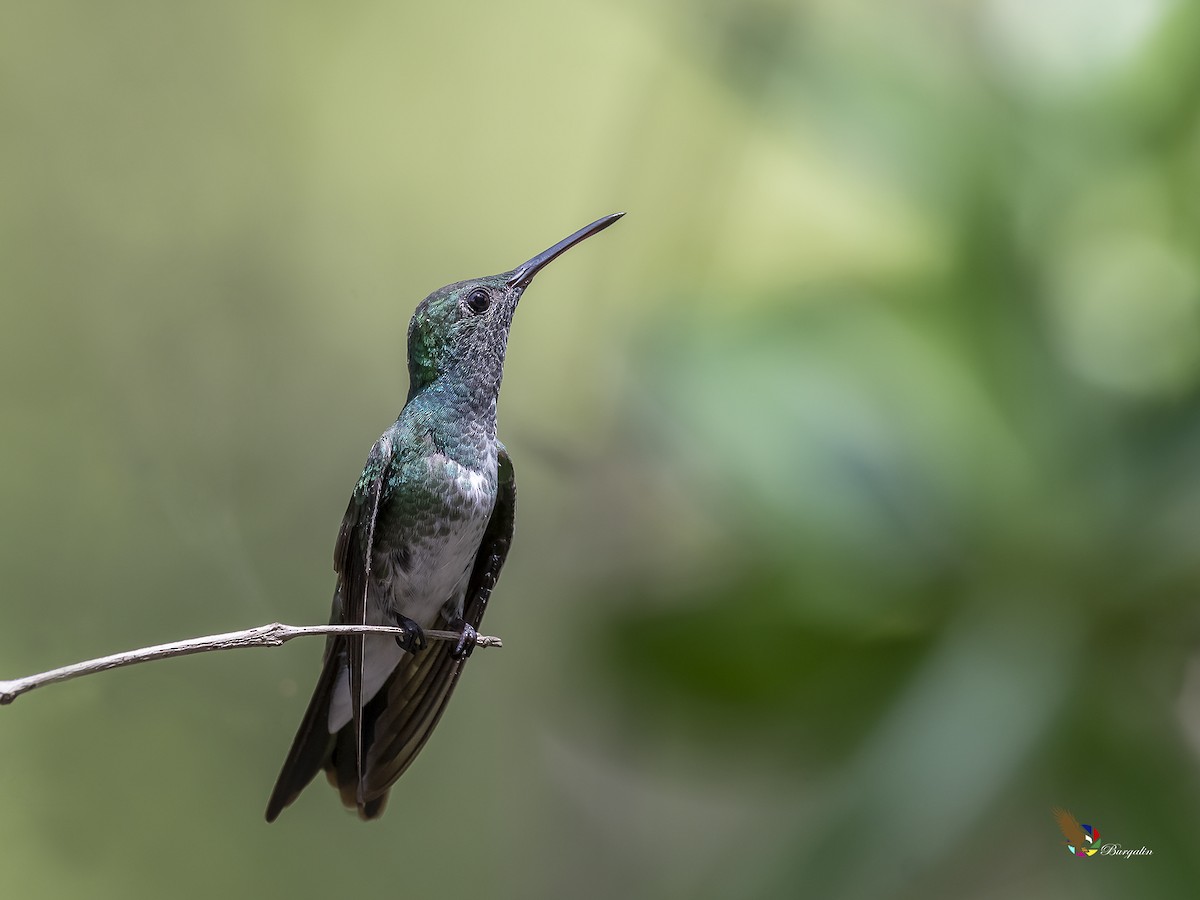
400	719
396	722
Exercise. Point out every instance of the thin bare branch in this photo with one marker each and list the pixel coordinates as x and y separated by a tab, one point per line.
272	635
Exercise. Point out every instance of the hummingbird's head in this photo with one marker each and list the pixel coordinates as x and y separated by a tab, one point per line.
462	328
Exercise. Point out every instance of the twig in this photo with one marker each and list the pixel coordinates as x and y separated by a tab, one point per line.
272	635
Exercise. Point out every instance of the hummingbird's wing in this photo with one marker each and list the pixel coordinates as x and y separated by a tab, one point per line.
313	742
352	560
403	714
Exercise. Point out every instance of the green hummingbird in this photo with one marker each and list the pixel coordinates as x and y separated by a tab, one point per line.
421	546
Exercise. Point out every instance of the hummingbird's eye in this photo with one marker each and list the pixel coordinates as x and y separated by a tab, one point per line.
479	300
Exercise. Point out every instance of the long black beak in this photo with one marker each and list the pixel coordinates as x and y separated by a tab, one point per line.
523	274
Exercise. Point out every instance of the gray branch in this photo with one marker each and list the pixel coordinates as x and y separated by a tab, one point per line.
272	635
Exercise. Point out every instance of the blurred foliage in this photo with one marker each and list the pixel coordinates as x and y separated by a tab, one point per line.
858	529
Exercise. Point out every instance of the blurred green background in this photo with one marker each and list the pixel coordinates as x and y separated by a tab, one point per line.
859	465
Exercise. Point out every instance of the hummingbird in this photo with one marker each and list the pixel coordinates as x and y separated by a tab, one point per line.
424	537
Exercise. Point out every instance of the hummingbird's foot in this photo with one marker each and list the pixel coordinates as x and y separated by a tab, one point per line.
413	638
466	641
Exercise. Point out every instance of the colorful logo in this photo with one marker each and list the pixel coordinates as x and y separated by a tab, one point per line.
1082	840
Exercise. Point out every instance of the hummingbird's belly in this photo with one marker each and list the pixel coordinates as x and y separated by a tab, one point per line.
430	575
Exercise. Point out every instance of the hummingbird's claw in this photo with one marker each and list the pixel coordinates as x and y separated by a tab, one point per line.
413	638
466	642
